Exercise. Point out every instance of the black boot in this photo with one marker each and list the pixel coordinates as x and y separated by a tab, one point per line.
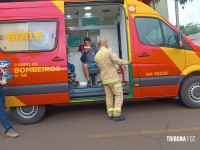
110	117
119	118
89	83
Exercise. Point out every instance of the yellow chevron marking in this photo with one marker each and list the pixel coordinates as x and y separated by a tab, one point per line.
59	5
13	101
192	57
193	62
177	56
191	69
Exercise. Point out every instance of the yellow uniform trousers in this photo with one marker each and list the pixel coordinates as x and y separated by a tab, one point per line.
114	98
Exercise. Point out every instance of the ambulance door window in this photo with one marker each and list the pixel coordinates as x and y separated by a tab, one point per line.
10	36
149	31
170	36
28	36
47	39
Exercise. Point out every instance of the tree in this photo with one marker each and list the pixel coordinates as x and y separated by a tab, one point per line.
190	28
182	2
182	28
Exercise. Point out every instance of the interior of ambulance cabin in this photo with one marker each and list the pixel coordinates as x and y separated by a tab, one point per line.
92	21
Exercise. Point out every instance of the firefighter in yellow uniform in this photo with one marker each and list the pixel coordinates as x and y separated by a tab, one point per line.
106	61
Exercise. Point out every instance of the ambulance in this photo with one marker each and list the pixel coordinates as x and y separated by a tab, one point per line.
39	39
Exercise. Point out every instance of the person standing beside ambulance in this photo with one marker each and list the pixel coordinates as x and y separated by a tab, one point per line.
106	61
9	131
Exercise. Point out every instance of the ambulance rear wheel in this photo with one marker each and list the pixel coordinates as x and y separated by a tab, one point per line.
28	114
190	92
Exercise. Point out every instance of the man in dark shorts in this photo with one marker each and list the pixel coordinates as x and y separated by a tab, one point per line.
87	57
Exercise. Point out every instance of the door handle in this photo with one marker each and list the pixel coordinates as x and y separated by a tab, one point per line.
57	59
143	55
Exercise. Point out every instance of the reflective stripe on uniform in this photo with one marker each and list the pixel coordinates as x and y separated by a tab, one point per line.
111	80
117	109
110	109
118	85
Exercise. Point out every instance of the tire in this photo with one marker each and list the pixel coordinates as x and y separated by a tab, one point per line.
28	114
190	92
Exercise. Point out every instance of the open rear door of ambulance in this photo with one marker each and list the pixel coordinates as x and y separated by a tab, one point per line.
33	47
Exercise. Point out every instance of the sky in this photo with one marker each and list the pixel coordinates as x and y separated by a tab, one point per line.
190	13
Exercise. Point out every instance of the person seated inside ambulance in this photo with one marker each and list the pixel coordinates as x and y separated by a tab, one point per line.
67	34
87	57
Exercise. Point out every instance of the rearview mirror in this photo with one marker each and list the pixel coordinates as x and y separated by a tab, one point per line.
180	40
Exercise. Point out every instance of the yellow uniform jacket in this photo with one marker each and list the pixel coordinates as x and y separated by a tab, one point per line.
106	61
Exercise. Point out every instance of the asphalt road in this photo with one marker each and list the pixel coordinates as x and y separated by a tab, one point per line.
162	124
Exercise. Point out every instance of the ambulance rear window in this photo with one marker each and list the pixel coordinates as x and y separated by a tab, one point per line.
28	36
